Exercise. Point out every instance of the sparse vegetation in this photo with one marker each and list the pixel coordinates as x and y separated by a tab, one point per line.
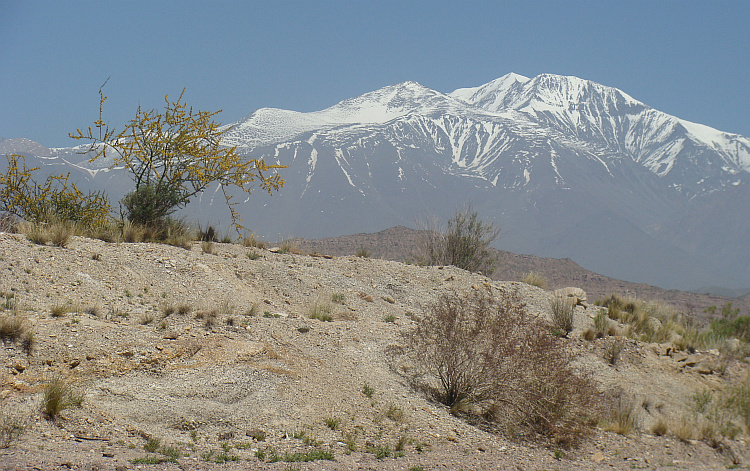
11	429
53	201
321	312
368	390
562	316
613	350
332	422
535	279
464	244
471	344
362	253
621	418
60	394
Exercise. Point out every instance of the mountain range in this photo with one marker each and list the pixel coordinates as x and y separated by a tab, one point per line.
565	166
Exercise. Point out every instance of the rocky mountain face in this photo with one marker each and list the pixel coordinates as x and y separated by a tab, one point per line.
566	167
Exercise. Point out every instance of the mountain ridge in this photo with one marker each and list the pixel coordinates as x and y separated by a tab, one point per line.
568	167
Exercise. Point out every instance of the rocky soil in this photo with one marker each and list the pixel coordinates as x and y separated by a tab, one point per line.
247	372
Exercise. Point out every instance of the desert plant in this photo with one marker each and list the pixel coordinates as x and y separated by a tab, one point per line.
487	351
464	244
621	417
12	328
368	390
152	444
60	394
54	199
535	279
59	310
338	298
390	318
613	350
208	247
321	312
11	429
659	428
362	253
173	156
332	422
562	315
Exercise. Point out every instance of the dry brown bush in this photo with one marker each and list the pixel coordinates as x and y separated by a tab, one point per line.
501	368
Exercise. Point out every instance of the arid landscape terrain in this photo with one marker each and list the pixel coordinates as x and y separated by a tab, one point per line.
223	356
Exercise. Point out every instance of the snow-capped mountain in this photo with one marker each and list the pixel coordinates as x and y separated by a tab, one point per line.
567	167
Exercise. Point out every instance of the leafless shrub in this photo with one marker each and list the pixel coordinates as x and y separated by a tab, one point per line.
464	244
497	365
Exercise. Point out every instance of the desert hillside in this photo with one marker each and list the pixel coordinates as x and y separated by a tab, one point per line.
222	356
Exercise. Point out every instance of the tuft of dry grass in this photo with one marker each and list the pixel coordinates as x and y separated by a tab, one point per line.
613	350
59	310
621	418
60	394
562	315
534	279
11	429
321	312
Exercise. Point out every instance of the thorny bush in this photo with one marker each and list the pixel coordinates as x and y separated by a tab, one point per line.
496	365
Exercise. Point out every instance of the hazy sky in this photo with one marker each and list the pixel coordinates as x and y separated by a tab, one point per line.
687	58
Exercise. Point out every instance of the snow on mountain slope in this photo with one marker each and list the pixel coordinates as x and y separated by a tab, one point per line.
269	125
702	157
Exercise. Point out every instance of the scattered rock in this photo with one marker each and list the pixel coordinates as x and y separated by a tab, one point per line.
576	296
598	457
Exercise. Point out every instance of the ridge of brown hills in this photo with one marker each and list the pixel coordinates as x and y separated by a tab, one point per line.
400	243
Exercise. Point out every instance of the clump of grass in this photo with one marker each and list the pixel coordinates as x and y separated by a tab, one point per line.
60	394
391	319
207	247
253	310
152	444
332	422
184	309
11	429
9	301
613	350
311	455
250	240
621	419
659	429
59	310
146	319
12	328
338	298
321	312
167	310
380	452
368	390
60	232
562	316
253	255
362	253
395	413
535	279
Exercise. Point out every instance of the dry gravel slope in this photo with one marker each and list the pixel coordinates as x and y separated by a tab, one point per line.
195	386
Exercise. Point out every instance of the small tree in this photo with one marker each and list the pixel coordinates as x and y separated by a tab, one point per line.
54	199
465	244
172	156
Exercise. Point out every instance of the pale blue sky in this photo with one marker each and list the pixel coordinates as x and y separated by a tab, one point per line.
687	58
